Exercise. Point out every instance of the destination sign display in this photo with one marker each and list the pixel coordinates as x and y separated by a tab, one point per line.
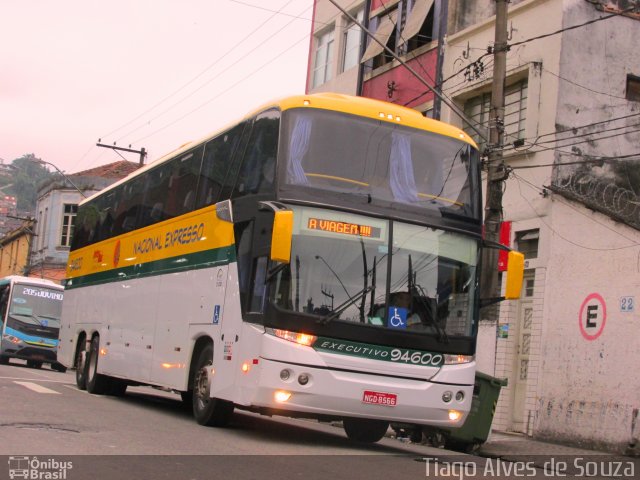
345	228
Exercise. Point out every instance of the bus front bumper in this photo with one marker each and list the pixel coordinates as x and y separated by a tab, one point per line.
311	391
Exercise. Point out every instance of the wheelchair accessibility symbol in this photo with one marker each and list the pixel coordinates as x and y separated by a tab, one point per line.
397	317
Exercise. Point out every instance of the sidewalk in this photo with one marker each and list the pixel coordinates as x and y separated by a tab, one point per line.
504	445
571	461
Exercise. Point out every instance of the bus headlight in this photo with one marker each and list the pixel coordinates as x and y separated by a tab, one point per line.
454	415
12	339
281	396
458	359
295	337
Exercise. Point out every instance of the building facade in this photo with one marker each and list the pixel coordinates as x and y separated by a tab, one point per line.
56	209
572	144
15	248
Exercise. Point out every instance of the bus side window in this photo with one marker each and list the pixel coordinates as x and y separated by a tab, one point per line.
126	217
182	183
155	194
215	166
258	163
4	299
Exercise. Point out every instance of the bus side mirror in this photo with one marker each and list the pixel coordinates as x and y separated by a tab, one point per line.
282	236
515	275
224	211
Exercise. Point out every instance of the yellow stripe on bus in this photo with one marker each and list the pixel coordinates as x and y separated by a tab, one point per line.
192	233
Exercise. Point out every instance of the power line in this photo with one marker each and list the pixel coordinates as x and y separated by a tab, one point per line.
224	91
277	12
240	59
585	141
579	162
569	129
558	140
581	86
573	27
438	94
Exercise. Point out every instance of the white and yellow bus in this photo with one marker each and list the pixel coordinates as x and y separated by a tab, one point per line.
317	259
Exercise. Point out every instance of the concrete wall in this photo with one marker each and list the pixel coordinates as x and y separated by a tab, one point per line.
589	391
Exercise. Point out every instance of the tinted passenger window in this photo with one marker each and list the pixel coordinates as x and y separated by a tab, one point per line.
216	166
257	173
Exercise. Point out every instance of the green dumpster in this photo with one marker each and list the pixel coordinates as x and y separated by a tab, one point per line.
476	427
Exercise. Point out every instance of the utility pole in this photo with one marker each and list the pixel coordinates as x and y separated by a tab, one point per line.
497	172
142	152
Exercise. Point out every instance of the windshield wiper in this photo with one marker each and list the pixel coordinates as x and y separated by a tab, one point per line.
342	307
274	271
442	334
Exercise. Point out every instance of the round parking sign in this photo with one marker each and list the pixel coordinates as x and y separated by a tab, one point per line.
593	316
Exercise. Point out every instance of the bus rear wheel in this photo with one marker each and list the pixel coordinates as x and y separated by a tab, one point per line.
81	365
96	383
206	410
364	430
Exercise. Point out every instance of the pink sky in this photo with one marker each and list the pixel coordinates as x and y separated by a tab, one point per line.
150	73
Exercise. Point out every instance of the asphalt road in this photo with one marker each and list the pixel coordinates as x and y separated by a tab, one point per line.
148	434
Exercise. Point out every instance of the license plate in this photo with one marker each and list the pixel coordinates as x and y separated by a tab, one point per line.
380	398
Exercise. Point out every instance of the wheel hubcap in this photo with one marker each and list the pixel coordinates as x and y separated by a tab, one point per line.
201	389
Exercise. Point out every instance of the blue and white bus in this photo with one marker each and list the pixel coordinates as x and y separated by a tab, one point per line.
30	310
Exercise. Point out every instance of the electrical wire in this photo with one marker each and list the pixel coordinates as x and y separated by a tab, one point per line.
202	105
573	27
558	140
181	100
193	79
581	86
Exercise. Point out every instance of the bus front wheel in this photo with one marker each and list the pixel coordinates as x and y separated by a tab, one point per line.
58	367
206	410
365	430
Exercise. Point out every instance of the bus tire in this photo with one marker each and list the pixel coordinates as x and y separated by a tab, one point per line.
116	387
58	367
364	430
34	364
96	383
187	400
206	410
4	360
81	364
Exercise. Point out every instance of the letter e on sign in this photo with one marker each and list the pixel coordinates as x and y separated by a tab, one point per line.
593	316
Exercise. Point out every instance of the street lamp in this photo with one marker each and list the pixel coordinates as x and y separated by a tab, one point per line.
44	162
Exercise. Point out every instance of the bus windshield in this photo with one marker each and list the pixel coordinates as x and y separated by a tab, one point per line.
35	310
393	275
385	163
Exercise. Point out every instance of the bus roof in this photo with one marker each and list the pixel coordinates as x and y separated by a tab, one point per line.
337	102
40	282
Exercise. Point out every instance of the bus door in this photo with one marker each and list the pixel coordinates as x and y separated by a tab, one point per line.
252	230
4	300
